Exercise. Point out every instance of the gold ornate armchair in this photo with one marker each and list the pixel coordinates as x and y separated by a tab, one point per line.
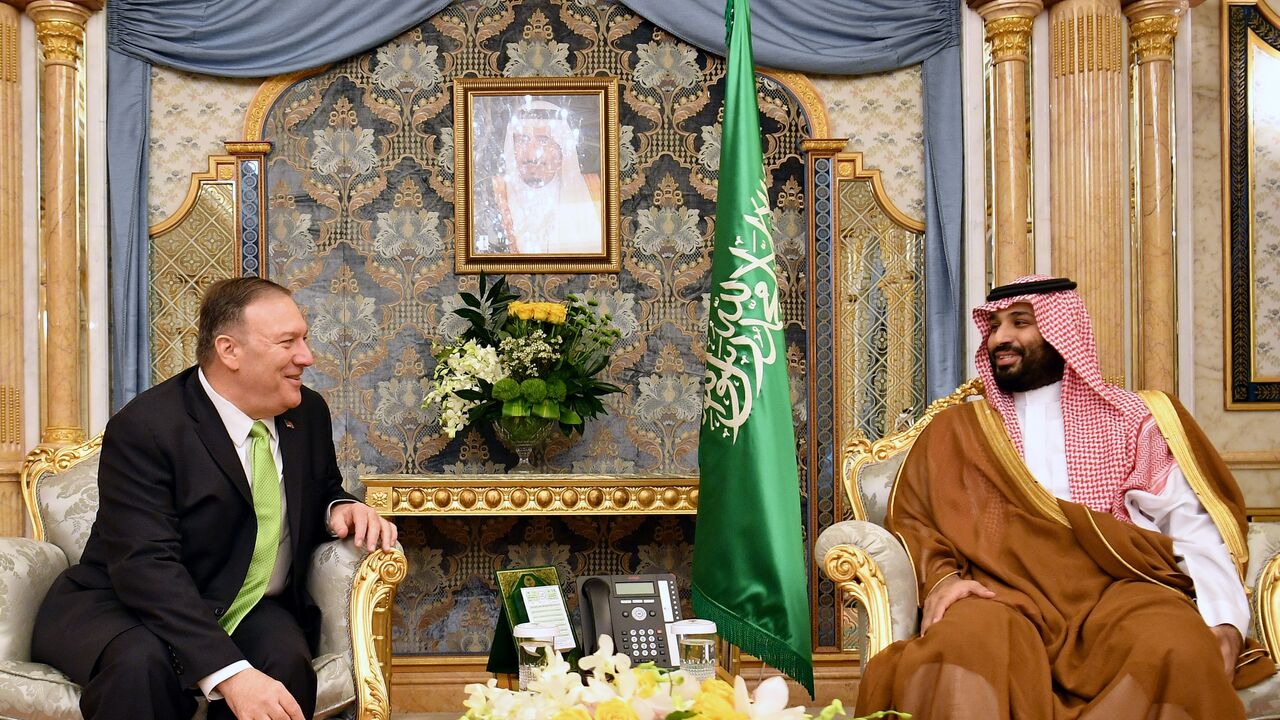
354	590
877	584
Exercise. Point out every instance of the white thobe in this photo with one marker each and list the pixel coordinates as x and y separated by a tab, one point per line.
1175	511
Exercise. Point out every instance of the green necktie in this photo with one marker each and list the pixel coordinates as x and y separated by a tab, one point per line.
266	506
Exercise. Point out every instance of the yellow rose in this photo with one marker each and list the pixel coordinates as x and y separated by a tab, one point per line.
646	683
540	312
615	709
573	713
716	702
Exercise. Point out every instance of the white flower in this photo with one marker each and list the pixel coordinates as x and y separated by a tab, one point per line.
769	702
603	663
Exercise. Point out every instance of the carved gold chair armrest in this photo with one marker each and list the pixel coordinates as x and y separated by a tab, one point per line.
869	565
355	592
1263	578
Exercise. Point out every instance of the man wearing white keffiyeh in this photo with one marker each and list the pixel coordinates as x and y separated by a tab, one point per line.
545	203
1077	506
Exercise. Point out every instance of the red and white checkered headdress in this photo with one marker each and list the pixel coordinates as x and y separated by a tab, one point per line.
1112	442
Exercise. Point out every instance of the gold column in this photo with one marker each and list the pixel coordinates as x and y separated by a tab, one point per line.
11	368
60	27
1153	24
1089	179
1008	28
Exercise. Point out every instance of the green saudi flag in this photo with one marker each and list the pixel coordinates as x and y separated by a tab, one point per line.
749	572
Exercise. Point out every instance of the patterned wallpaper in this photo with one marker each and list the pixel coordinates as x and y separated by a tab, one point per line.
191	117
376	299
364	151
883	117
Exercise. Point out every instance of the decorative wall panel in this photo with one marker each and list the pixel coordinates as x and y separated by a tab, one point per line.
359	208
184	261
1252	67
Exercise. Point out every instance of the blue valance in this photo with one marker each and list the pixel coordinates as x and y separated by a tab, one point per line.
251	38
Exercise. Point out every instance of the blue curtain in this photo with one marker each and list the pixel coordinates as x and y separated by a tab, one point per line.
252	38
858	37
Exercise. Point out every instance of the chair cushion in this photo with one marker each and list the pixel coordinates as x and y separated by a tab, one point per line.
29	568
33	691
1262	701
68	503
875	482
37	692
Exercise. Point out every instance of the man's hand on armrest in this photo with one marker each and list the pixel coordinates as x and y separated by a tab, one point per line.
1229	643
254	695
945	593
363	524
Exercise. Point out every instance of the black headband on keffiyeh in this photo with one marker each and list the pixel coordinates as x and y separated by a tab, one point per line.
1032	287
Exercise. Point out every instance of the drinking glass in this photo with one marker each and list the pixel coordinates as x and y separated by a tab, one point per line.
696	643
534	644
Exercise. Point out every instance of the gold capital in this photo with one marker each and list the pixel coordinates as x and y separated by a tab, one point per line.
1010	38
60	30
1152	37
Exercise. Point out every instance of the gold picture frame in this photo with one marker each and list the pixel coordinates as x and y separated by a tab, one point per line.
1250	168
536	175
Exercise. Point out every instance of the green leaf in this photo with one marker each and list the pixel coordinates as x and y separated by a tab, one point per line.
549	409
515	408
569	417
680	715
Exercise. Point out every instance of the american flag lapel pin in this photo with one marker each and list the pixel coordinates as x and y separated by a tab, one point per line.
288	424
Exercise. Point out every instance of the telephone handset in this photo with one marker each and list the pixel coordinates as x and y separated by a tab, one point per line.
636	611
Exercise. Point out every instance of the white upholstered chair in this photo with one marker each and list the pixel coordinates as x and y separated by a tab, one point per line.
354	590
872	571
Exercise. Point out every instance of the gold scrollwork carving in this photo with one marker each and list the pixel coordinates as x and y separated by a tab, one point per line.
857	576
62	41
372	595
1268	604
802	87
1010	38
1152	37
50	460
861	451
256	116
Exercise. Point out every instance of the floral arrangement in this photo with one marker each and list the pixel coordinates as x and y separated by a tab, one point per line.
614	690
523	361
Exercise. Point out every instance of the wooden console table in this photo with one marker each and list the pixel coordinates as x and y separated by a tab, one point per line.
531	494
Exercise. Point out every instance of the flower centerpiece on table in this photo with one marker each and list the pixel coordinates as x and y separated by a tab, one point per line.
525	367
614	690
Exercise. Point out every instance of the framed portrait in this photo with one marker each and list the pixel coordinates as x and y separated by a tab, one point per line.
536	175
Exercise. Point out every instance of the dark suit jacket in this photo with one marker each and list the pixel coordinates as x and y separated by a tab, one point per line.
175	531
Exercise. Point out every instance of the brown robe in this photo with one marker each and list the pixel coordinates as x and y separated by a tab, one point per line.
1092	619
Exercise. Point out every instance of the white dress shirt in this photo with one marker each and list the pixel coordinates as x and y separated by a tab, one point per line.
1176	511
238	426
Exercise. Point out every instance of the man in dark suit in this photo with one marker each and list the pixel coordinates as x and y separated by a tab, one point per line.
215	488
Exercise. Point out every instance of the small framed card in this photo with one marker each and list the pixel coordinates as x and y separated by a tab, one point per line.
528	595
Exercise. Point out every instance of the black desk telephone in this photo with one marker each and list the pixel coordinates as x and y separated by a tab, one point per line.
636	611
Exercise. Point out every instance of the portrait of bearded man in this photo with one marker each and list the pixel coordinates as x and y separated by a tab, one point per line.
542	201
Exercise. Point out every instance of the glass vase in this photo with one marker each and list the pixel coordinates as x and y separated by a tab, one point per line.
523	436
